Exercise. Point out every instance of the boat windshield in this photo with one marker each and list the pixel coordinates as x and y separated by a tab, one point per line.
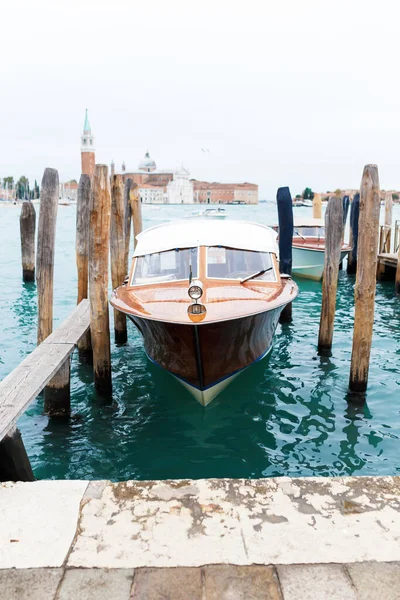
173	265
316	232
228	263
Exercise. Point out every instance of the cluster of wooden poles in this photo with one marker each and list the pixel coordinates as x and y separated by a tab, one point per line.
106	212
362	260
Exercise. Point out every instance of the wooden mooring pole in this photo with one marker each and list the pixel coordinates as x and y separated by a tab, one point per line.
99	239
353	241
364	292
128	220
27	225
333	245
388	209
82	236
45	252
57	391
346	203
136	206
385	237
317	206
285	218
397	278
14	461
82	256
118	250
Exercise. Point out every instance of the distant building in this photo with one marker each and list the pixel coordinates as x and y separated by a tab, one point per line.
7	192
147	173
69	190
87	148
153	193
180	189
152	182
169	186
147	164
225	193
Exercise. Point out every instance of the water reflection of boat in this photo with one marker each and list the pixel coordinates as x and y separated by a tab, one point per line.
210	213
232	268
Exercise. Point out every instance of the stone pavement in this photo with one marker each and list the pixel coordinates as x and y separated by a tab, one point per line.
368	581
325	537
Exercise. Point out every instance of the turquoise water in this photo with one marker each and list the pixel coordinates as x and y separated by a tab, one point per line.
286	415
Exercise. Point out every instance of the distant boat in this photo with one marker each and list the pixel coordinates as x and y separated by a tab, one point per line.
301	202
308	249
66	202
230	267
210	213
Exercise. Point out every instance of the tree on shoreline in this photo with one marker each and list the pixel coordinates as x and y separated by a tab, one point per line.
8	182
22	188
308	194
36	190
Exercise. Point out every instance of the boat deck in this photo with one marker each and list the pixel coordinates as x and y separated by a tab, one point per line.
224	300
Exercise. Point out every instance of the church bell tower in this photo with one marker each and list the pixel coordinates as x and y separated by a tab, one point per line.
87	148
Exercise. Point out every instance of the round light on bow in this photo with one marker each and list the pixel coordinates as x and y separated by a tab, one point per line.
195	290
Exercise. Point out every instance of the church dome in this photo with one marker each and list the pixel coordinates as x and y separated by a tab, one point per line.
147	163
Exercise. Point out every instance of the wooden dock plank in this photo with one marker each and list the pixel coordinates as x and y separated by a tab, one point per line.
26	381
23	384
388	259
73	328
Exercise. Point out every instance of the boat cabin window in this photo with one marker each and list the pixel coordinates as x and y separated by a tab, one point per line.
304	231
172	265
228	263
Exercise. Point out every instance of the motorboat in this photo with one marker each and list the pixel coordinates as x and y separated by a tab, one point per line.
209	213
206	297
297	202
308	248
64	202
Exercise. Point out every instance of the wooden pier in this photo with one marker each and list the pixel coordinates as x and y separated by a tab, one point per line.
388	259
26	381
388	254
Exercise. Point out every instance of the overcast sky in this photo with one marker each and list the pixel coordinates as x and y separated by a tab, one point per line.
284	92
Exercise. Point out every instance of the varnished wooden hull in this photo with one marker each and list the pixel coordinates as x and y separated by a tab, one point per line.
239	317
205	357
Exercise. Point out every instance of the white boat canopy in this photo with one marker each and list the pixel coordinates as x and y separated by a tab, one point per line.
309	222
242	235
